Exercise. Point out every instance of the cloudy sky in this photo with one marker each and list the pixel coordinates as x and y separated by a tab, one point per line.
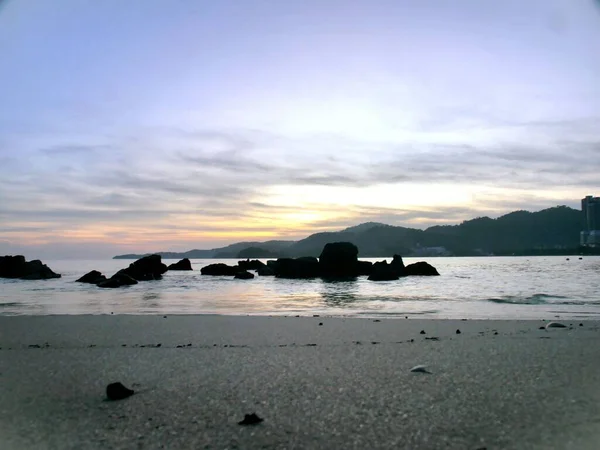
144	125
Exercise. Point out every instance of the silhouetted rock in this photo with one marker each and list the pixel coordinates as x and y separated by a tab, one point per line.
146	268
184	264
304	267
266	271
220	269
245	275
364	267
255	264
117	280
17	267
382	271
420	268
116	391
398	265
93	277
338	260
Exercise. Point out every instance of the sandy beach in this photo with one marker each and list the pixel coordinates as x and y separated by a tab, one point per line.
343	384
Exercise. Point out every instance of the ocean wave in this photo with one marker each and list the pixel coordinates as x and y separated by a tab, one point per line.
535	299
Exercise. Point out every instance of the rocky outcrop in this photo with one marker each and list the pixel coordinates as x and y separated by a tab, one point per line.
266	271
304	267
117	280
382	271
220	269
245	275
184	264
17	267
93	277
255	264
339	260
420	268
146	268
397	264
364	267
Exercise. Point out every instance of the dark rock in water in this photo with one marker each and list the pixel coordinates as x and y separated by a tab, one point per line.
457	331
146	269
304	267
250	419
266	271
17	267
116	391
422	332
255	264
184	264
364	267
117	280
382	271
219	269
420	268
397	264
245	275
93	277
339	260
272	263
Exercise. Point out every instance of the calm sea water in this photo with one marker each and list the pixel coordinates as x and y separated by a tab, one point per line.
491	287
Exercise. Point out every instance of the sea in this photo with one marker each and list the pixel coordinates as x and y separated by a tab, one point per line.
545	287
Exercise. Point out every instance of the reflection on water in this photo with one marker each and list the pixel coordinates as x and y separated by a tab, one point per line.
339	293
495	287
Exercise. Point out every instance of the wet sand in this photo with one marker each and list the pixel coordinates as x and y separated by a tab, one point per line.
344	384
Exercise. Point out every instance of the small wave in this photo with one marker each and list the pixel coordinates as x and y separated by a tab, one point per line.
535	299
8	304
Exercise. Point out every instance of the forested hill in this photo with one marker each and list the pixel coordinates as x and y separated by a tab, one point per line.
519	232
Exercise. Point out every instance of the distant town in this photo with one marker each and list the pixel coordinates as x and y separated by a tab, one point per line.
590	235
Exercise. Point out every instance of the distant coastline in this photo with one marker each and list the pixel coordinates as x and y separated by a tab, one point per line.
552	231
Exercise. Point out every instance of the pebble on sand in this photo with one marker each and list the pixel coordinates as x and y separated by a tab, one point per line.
251	419
116	391
457	331
422	332
420	369
555	325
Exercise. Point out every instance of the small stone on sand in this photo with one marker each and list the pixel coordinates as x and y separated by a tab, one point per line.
457	331
420	369
116	391
251	419
320	324
422	332
556	325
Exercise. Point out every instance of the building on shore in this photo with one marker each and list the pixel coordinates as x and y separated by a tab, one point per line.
590	235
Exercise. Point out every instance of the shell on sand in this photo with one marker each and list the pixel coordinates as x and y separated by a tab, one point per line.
420	368
555	325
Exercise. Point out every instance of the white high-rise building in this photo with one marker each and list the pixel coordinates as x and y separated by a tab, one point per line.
590	235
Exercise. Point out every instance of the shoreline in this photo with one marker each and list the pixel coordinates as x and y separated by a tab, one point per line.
343	384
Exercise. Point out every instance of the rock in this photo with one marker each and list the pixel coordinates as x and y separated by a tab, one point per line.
422	332
255	264
304	267
184	264
219	269
420	268
420	369
93	277
339	260
555	325
364	267
116	391
397	264
17	267
382	271
117	280
250	419
245	275
457	331
146	268
266	271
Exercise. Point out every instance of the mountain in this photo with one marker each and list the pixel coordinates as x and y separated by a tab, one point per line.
552	230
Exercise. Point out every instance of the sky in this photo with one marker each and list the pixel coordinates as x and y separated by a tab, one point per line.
154	125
